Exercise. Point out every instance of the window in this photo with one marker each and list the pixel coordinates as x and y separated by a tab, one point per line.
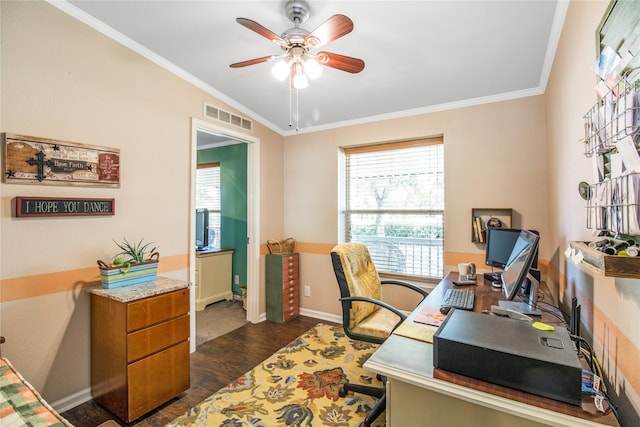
208	196
395	205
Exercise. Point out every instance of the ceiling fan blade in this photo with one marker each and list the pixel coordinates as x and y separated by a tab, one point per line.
264	32
254	61
330	30
341	62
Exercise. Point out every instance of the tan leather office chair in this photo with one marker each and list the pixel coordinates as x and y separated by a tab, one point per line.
365	316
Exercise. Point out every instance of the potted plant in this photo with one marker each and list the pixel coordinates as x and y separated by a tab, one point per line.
130	266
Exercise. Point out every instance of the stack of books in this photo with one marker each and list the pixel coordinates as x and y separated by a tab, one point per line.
479	230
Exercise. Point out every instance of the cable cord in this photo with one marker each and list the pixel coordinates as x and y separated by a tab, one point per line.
598	370
589	377
579	340
583	348
525	299
587	388
554	314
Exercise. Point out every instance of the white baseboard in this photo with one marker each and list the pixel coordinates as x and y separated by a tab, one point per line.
321	315
72	401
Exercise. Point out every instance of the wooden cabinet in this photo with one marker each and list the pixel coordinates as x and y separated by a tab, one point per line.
213	277
283	286
139	350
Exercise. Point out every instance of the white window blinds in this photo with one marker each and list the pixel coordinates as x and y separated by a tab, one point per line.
395	205
208	195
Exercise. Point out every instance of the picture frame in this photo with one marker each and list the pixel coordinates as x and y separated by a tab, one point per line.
39	207
43	161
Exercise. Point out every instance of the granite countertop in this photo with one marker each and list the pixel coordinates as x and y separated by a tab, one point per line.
141	290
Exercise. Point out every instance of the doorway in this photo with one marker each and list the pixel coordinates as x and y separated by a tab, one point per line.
206	135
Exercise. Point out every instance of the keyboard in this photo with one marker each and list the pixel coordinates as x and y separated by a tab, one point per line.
459	298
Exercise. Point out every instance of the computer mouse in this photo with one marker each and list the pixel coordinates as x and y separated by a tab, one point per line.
445	309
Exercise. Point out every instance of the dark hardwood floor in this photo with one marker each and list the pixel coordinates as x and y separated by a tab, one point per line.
214	364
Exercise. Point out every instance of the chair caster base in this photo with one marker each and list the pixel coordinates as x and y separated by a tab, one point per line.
342	392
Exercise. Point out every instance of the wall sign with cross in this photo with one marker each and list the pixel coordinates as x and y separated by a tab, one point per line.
40	164
32	160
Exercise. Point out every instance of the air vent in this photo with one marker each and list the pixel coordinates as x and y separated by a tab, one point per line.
224	116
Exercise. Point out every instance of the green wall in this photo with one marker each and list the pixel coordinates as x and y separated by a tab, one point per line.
233	203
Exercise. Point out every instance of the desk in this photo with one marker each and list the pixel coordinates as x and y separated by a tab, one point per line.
419	395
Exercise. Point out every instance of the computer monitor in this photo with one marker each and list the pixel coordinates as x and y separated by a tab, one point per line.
516	272
500	242
202	228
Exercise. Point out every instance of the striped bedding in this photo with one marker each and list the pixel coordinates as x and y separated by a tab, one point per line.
21	404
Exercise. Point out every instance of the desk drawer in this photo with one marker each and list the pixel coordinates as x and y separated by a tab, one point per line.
155	338
150	311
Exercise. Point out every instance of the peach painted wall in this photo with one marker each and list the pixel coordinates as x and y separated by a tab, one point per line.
63	80
494	157
60	79
610	306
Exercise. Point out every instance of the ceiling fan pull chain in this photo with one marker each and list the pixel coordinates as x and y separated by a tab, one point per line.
297	111
290	114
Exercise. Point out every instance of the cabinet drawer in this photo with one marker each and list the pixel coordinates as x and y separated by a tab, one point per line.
290	292
149	311
290	315
291	311
156	379
289	301
155	338
289	271
290	284
289	260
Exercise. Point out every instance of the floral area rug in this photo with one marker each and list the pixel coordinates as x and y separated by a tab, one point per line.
297	386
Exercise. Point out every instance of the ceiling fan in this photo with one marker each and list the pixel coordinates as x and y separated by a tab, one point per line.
298	62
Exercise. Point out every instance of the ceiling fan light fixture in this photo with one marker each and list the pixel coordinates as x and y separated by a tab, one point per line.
280	70
298	78
312	68
298	63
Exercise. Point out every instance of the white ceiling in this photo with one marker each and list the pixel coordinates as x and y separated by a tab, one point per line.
420	56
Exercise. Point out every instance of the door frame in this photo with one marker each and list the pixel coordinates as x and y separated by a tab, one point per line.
253	215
